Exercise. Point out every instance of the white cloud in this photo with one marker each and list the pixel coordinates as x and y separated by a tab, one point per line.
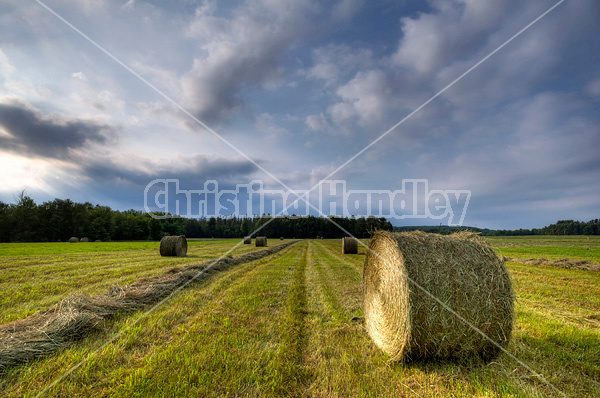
316	122
110	99
129	5
269	127
432	40
79	75
367	94
335	62
6	68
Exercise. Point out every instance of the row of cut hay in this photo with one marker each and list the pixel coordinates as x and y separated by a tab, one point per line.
48	331
406	274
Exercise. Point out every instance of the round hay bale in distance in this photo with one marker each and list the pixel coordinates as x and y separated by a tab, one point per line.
98	241
84	240
73	239
281	238
247	240
173	246
349	245
261	241
404	276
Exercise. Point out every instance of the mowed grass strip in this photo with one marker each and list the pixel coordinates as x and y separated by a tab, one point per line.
35	282
220	336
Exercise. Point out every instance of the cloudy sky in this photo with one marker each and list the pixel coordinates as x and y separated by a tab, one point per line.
300	87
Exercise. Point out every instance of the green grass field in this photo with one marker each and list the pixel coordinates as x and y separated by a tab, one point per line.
283	326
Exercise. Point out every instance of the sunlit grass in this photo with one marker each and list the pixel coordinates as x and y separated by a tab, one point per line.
290	325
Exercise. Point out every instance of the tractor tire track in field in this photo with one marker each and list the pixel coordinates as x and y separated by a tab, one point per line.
341	280
290	371
340	355
355	263
48	331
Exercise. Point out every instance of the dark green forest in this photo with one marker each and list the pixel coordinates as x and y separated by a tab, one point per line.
58	220
563	227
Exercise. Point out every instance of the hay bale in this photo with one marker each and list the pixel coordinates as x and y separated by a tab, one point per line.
261	241
84	240
98	241
173	246
461	270
281	238
349	245
248	240
74	239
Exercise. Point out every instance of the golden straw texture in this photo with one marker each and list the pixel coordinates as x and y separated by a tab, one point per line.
460	270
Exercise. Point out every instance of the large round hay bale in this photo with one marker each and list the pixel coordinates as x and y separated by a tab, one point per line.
248	240
281	238
349	245
261	241
403	272
173	246
73	239
84	240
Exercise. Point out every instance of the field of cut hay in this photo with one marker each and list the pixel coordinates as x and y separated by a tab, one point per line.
291	324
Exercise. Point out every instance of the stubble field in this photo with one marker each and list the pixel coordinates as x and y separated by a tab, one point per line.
290	324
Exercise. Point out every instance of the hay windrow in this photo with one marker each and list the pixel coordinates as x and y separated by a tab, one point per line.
48	331
261	241
173	246
583	265
461	270
349	245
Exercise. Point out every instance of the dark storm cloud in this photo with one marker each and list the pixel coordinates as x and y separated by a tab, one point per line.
248	50
192	170
32	134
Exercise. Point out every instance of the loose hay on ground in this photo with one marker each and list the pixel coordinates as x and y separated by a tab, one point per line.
461	270
47	331
584	265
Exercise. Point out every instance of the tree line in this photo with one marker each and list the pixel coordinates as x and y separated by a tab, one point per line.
563	227
60	219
